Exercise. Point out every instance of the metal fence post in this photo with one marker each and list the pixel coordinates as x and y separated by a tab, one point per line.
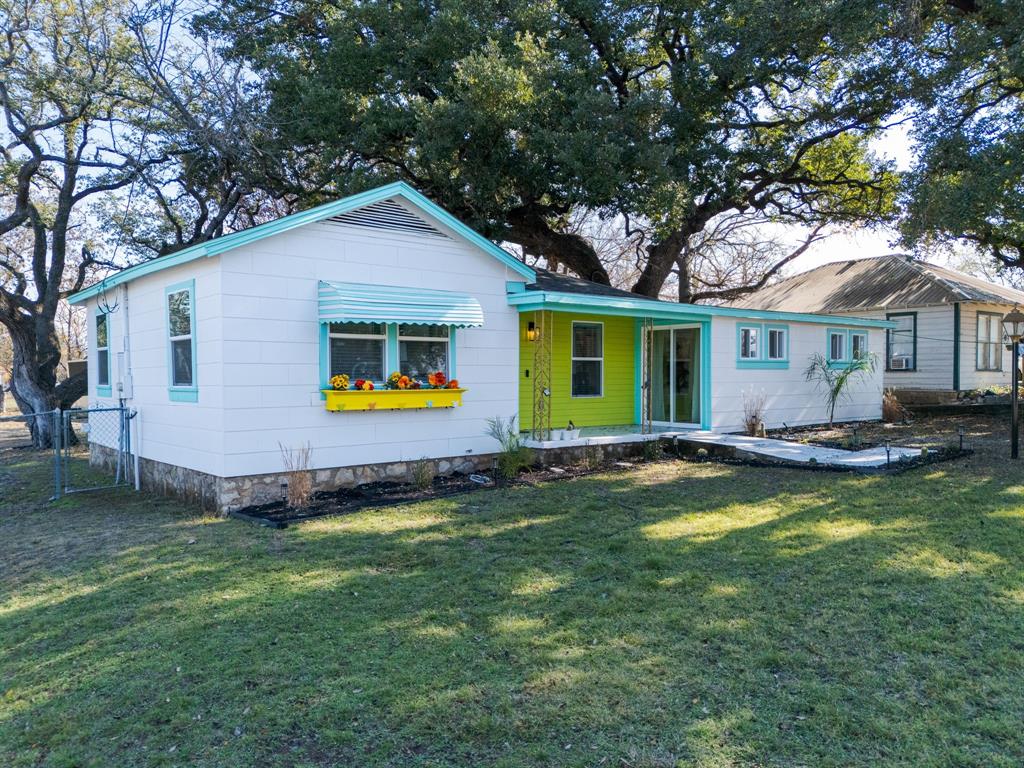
57	422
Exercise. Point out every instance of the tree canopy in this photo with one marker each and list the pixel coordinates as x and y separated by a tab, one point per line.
515	115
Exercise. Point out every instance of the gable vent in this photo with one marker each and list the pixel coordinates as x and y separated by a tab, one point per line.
388	215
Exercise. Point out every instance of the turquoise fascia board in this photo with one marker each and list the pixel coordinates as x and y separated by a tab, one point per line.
365	303
227	242
515	286
179	393
531	301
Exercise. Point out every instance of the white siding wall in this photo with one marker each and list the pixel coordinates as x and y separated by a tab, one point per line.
970	376
791	399
271	349
185	434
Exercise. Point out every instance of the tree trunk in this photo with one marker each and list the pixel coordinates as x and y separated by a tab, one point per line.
33	390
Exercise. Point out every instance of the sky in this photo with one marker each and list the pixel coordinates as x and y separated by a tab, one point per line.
895	145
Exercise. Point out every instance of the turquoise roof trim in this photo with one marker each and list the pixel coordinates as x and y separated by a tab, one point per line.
363	303
244	237
663	310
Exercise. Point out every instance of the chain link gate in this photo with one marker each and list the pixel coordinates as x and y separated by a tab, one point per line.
92	449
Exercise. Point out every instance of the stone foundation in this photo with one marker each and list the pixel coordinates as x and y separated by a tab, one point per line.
227	494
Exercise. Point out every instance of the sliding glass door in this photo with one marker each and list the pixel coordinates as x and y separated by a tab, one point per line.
675	376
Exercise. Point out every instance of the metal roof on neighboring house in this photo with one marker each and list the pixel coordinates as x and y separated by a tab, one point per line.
882	282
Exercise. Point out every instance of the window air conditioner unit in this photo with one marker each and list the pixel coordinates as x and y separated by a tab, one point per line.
899	363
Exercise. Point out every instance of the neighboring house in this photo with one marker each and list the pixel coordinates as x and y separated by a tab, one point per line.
947	335
224	349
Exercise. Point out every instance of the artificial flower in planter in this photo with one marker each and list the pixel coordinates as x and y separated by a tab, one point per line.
364	385
340	381
437	380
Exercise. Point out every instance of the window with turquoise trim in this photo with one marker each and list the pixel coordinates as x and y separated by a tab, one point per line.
836	346
858	345
777	343
372	351
102	350
423	349
750	343
180	331
357	349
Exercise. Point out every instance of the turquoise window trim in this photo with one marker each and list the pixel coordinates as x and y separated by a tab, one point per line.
867	339
391	353
705	374
837	362
178	393
638	371
391	349
104	390
325	359
762	361
778	362
452	370
740	328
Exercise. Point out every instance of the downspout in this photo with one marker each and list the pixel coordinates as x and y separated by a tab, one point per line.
956	346
128	385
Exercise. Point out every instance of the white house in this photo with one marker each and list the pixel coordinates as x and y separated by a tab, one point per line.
227	351
947	335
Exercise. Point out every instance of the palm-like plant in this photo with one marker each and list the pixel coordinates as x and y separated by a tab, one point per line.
836	379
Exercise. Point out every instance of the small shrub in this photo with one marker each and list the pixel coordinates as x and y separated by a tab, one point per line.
513	456
702	454
423	473
300	479
924	453
813	461
892	409
753	412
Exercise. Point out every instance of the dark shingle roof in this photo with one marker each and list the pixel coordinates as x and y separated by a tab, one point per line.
881	282
550	281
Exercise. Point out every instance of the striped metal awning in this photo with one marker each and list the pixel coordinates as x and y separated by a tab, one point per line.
362	303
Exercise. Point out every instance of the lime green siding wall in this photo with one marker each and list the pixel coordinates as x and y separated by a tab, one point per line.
615	406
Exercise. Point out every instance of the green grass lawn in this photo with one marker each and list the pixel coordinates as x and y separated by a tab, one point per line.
679	614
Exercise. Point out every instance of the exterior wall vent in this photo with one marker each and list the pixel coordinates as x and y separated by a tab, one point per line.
389	215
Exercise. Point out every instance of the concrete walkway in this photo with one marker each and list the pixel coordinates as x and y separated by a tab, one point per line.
800	453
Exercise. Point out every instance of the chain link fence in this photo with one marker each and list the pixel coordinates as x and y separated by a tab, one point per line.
16	430
92	449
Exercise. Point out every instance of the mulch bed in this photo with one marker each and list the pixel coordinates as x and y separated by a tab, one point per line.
814	434
278	514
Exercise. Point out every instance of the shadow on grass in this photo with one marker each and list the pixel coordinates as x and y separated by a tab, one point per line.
683	613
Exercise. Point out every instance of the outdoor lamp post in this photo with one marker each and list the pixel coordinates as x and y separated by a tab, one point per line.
1013	328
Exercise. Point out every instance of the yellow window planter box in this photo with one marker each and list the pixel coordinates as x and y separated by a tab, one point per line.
391	399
